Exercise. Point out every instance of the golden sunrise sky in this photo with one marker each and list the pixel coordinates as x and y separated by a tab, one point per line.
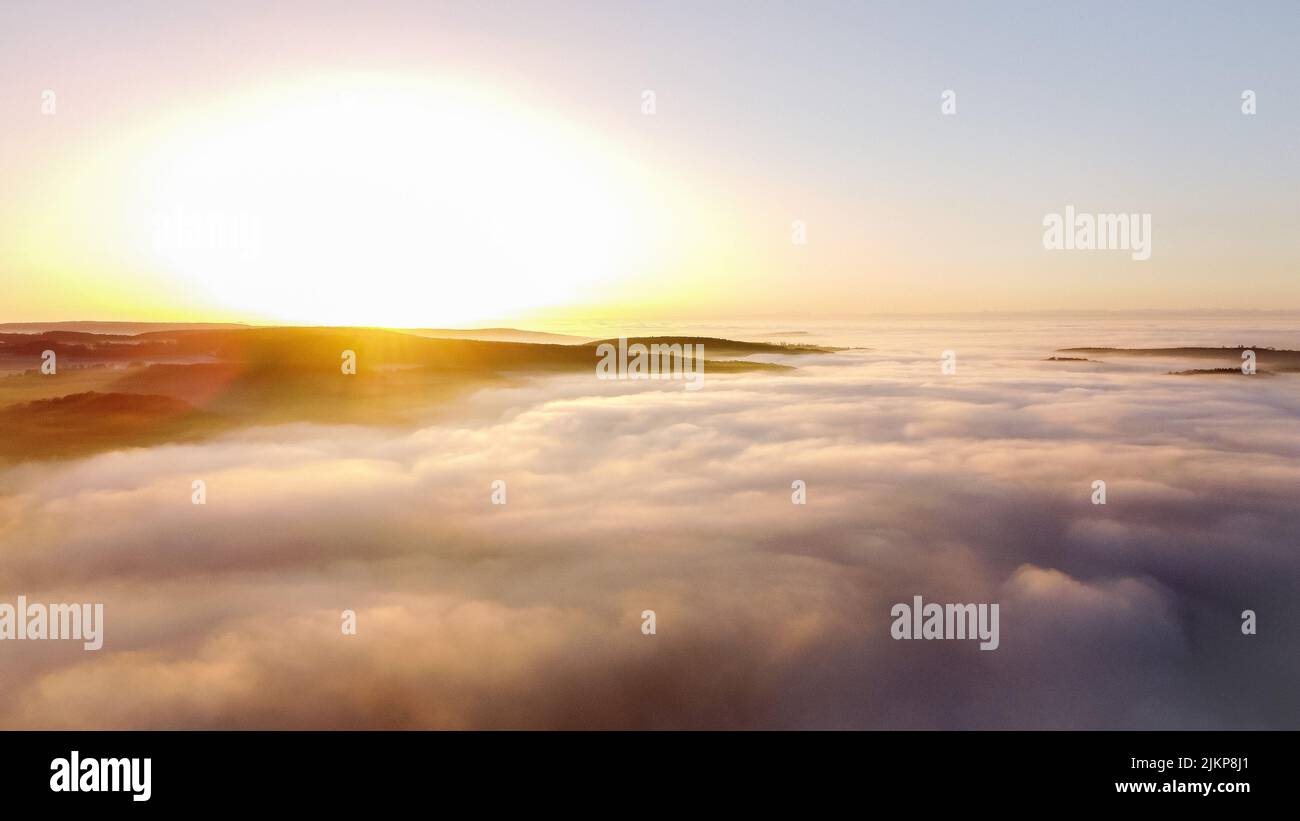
430	164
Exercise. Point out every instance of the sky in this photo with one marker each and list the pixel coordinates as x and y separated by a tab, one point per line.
418	164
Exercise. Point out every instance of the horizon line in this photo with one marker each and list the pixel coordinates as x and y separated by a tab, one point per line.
487	323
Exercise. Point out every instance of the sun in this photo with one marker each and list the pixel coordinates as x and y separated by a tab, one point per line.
373	200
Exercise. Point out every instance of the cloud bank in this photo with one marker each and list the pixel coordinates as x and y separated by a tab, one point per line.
624	497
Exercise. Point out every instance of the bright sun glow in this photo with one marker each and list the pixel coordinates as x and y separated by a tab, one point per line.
381	202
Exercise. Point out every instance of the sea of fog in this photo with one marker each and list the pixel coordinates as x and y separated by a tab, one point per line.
977	485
